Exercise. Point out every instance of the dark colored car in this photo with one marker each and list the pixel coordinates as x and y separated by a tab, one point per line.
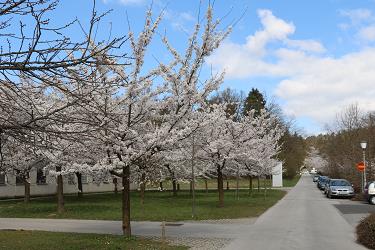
326	186
339	188
315	178
322	180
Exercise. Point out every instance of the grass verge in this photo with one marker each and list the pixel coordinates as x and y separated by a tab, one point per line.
158	206
38	240
291	182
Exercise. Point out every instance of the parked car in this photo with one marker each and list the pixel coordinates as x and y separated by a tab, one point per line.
326	186
315	178
370	192
322	181
339	188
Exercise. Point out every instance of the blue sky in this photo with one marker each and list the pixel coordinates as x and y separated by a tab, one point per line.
315	57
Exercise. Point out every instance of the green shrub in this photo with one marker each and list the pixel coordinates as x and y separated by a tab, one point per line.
366	232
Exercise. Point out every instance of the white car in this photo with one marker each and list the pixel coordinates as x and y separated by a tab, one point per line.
370	192
313	171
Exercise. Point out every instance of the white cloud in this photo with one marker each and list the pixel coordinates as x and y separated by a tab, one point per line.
246	60
273	29
321	87
132	2
363	21
314	85
187	16
180	21
367	33
357	16
306	45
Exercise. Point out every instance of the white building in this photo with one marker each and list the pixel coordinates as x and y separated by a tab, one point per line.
277	175
41	185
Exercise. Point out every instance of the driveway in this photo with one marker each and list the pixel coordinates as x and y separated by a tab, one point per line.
354	211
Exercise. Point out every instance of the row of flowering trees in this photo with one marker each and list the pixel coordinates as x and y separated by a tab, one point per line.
109	119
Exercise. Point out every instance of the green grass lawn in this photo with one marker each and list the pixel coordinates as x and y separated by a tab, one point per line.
158	206
37	240
291	182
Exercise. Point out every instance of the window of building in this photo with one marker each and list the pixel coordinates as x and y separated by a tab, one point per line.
40	176
72	179
2	179
19	180
84	179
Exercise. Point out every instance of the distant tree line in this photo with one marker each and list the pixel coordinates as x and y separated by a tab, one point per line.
341	145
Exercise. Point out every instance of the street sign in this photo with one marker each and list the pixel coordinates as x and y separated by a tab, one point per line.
361	166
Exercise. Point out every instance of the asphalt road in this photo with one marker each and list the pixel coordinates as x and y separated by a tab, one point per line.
304	219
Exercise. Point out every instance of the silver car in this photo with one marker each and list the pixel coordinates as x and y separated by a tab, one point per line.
339	188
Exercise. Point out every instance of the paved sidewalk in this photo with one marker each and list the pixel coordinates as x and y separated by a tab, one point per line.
175	229
208	236
303	219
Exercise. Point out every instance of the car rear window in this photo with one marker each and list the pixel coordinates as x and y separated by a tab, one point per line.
339	183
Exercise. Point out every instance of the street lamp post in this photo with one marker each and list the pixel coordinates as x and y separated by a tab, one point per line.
364	146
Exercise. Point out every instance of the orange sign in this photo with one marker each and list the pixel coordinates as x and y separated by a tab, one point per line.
361	166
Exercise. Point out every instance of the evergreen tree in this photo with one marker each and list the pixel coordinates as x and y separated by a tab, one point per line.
254	100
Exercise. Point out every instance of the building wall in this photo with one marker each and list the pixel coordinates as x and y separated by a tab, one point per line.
277	175
10	189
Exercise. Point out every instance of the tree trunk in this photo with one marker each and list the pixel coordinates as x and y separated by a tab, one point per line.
191	188
220	186
126	229
227	185
178	186
265	186
27	190
250	184
206	185
238	187
174	185
143	188
60	192
115	183
80	189
258	184
161	186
